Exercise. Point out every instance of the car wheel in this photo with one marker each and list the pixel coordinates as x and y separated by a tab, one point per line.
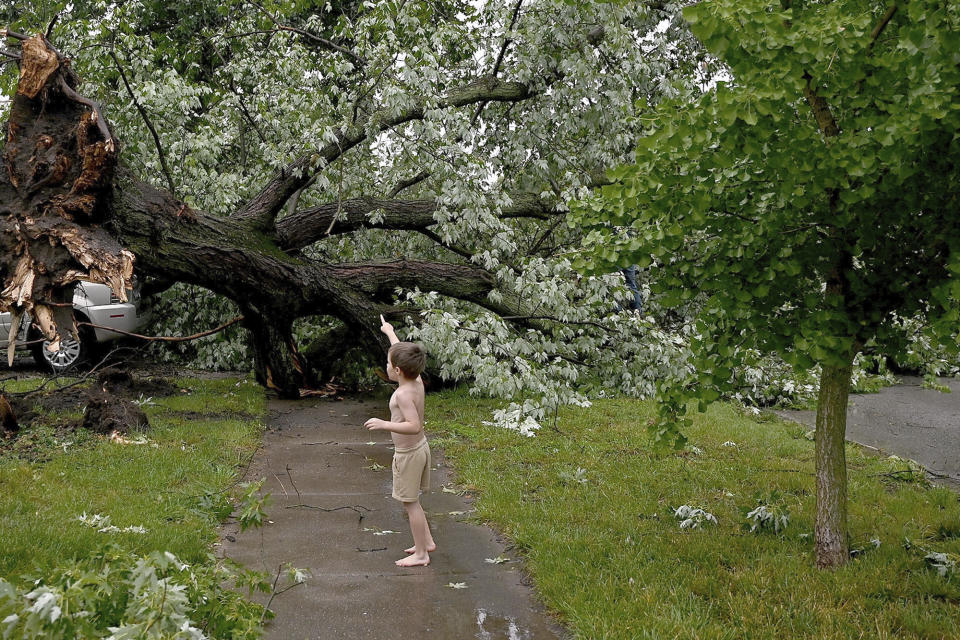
70	355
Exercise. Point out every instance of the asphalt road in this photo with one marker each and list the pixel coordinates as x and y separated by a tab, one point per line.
906	420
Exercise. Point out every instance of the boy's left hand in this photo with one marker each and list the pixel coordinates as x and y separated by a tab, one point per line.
374	423
385	326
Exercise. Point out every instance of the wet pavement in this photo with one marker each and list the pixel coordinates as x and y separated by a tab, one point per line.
331	512
906	420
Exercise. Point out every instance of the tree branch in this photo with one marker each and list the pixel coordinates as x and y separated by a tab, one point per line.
146	120
6	33
263	208
329	44
379	280
409	182
202	334
246	112
821	110
877	30
96	114
457	250
503	51
307	226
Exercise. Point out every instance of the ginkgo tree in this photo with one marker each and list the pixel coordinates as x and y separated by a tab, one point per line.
810	198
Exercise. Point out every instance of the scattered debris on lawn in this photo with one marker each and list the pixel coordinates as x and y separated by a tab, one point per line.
102	524
121	439
328	390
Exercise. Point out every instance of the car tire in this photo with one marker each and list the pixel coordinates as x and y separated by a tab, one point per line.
72	355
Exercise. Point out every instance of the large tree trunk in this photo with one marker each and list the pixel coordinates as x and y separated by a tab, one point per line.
831	521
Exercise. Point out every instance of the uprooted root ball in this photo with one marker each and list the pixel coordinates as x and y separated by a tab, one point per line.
106	413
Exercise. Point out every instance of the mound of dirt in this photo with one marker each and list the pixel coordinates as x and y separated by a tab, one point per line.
9	424
107	413
123	383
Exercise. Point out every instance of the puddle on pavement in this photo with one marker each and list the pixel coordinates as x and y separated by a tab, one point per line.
381	457
494	627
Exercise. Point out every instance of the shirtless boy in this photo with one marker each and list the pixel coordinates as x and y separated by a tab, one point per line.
411	454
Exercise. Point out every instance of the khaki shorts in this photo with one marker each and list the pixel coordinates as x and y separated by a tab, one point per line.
411	472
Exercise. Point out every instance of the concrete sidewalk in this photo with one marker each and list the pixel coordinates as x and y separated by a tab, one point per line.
331	512
906	420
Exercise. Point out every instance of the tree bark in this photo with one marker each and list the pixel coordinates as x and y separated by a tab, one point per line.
831	463
278	364
304	227
271	287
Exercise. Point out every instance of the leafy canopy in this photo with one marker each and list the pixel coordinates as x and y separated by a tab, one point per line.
811	194
236	90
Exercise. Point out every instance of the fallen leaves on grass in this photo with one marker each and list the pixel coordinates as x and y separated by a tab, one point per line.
118	438
102	524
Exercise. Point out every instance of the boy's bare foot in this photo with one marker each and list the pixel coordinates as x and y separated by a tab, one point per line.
414	561
430	548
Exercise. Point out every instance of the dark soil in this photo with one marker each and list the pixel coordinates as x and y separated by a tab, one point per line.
107	414
123	383
106	402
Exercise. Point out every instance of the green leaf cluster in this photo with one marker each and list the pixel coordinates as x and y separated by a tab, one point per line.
115	593
810	194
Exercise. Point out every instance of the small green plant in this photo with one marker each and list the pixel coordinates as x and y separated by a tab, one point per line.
906	470
102	524
930	381
769	513
857	551
763	518
214	504
576	477
252	505
144	401
944	564
117	594
693	517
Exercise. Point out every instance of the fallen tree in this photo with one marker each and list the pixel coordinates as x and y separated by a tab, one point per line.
72	209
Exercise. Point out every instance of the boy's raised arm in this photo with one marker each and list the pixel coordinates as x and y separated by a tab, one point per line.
387	328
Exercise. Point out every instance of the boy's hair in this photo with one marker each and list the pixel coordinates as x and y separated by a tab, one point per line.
409	357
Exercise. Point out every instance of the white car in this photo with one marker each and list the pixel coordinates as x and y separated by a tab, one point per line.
93	303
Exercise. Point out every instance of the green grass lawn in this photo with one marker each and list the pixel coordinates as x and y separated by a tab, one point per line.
590	507
175	484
